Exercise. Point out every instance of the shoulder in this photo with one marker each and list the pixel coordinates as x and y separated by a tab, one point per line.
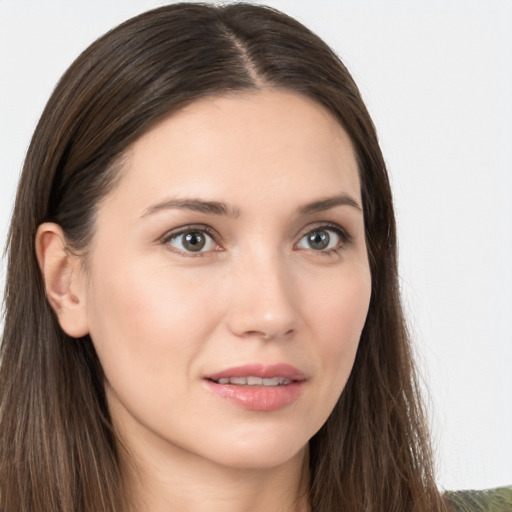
491	500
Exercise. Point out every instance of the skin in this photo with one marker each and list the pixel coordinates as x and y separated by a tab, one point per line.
162	317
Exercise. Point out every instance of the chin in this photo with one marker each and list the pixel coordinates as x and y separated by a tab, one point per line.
261	459
263	450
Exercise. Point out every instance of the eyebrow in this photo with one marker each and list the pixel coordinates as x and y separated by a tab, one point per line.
219	208
196	205
328	203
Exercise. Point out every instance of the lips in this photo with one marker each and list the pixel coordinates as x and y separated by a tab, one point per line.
258	387
261	371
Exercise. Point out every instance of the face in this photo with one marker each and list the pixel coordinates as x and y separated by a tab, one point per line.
228	279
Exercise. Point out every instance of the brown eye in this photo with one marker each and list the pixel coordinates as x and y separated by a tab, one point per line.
318	240
192	241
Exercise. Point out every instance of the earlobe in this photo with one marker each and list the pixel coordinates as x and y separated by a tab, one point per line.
63	279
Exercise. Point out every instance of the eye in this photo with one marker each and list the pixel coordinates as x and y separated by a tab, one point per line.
323	239
192	240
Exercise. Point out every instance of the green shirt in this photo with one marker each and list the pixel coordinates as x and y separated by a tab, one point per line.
492	500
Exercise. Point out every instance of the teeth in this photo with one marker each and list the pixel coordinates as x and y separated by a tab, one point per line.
238	380
255	381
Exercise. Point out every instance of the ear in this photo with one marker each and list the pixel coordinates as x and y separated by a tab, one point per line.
63	278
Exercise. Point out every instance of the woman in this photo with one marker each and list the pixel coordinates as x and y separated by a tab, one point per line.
202	308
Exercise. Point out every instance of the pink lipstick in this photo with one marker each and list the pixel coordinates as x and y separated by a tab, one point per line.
258	387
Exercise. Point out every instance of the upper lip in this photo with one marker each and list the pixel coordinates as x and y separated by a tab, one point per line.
260	370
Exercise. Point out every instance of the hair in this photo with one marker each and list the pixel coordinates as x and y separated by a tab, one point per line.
58	447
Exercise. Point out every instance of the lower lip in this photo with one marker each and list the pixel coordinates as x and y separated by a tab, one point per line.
258	398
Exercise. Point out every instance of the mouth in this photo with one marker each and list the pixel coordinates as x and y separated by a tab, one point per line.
258	387
254	381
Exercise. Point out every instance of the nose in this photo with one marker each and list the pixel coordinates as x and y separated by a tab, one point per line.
263	302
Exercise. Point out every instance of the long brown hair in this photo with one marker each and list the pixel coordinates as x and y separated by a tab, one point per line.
58	448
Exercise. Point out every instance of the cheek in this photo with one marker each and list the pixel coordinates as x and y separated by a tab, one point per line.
339	315
144	323
143	320
342	306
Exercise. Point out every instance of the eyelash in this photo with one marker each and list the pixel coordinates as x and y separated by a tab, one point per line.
189	229
345	239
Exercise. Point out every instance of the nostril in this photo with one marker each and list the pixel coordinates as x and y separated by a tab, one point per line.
258	334
269	335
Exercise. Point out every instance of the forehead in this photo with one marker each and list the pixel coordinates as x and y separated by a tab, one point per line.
242	146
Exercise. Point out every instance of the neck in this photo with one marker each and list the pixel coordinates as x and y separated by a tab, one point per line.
181	481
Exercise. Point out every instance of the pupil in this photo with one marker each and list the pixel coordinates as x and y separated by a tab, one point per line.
194	241
319	240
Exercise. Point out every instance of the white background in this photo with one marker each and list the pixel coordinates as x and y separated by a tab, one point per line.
437	78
